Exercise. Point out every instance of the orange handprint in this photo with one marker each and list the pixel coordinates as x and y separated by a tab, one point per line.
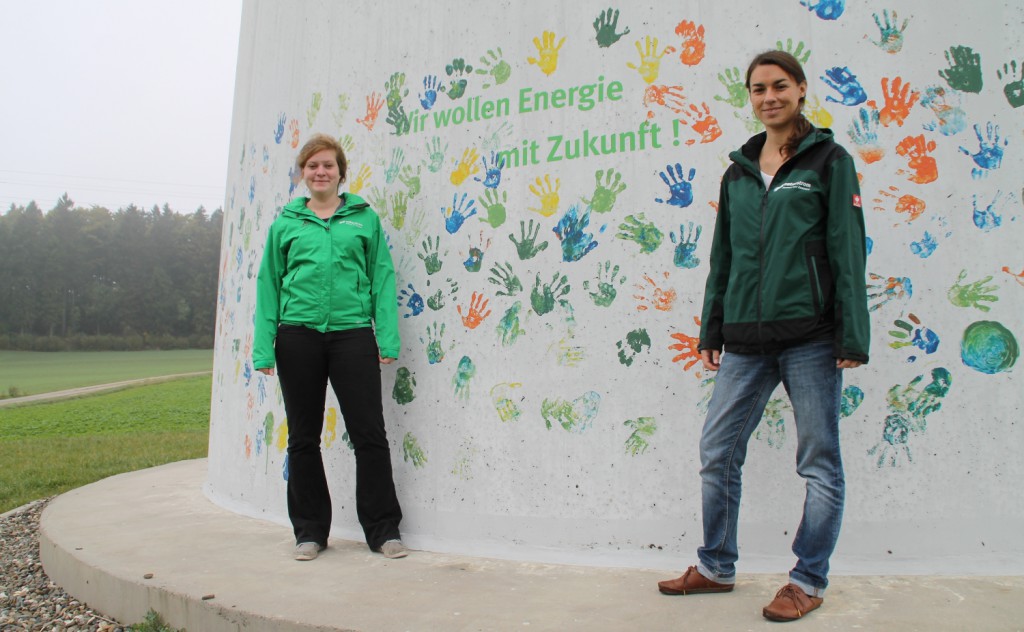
916	149
911	205
670	97
693	42
374	103
661	300
687	348
293	127
1019	278
477	311
702	122
898	101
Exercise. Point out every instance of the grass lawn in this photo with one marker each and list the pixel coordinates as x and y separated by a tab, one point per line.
50	448
33	372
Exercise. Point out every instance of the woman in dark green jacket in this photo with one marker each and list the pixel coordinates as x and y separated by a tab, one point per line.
785	302
326	309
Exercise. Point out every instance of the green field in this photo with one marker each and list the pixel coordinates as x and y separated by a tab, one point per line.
50	448
32	372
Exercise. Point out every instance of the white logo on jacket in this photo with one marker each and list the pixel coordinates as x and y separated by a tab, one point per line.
350	223
803	186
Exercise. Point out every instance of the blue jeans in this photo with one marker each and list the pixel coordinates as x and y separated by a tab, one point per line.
742	389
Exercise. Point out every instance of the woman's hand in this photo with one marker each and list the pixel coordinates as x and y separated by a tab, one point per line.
384	360
847	364
269	371
710	359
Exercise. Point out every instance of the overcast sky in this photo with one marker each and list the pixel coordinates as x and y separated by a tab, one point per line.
116	101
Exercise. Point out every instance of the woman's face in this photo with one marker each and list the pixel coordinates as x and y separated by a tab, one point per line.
775	96
322	174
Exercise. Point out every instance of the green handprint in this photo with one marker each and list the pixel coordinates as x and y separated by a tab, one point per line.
606	193
566	354
605	26
574	416
314	108
801	55
734	85
972	294
633	344
964	72
495	207
434	343
457	71
411	179
405	385
378	199
526	246
396	90
415	227
437	300
644	233
411	451
851	400
463	374
508	327
348	441
506	279
348	144
430	258
495	67
340	111
605	292
544	295
398	119
1014	88
643	428
435	154
930	399
399	207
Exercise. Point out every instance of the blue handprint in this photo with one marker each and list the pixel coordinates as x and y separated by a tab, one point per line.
925	247
685	254
279	131
986	219
865	130
845	83
570	231
412	301
990	152
680	188
825	9
492	173
431	86
457	213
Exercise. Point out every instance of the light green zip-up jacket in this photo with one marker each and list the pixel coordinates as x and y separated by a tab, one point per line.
328	275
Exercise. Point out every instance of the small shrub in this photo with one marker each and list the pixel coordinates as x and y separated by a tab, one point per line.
153	623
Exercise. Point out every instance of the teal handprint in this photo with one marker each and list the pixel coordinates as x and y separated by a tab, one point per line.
495	68
964	72
607	192
890	38
434	343
506	279
544	295
463	374
430	257
973	294
638	229
605	291
509	328
643	428
686	248
435	154
772	429
736	90
397	158
527	245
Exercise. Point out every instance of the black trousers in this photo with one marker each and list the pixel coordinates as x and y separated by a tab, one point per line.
306	359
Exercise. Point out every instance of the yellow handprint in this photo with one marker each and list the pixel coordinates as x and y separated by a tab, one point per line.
547	51
547	195
650	58
816	113
282	436
361	178
465	167
330	426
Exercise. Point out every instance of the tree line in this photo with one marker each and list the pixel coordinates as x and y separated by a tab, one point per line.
88	278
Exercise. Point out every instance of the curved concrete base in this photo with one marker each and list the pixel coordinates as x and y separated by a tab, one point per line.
151	540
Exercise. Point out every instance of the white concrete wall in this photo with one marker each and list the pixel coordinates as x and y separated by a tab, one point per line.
484	462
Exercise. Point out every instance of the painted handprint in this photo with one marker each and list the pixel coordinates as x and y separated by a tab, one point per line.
293	132
825	9
605	289
465	167
412	452
475	260
374	103
492	171
411	179
395	90
434	343
502	397
457	214
679	187
527	247
990	152
987	218
506	279
686	248
637	229
635	343
362	177
431	260
815	112
909	408
912	205
414	227
411	300
571	232
607	192
687	346
279	130
925	247
575	416
476	311
1014	88
801	53
650	59
964	72
464	372
693	47
431	86
845	83
642	429
605	26
494	140
850	400
397	158
668	97
340	110
566	354
913	334
509	327
495	207
736	92
916	150
437	300
899	99
1018	278
348	144
945	104
772	427
701	121
435	154
650	294
547	52
973	294
546	194
881	290
890	38
459	71
864	134
544	295
404	391
495	69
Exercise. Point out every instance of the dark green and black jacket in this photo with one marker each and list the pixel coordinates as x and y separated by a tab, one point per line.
787	263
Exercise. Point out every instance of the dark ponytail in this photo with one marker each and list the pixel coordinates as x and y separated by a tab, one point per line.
791	66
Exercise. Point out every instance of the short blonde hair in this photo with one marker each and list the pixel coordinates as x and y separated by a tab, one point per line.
318	143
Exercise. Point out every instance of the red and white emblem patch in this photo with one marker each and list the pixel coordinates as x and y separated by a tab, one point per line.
856	200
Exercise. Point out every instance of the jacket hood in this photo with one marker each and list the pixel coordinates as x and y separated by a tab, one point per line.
349	202
748	154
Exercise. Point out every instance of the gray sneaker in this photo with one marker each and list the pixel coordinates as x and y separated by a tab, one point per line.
393	549
306	551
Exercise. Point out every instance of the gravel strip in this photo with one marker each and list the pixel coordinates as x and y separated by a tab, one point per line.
28	599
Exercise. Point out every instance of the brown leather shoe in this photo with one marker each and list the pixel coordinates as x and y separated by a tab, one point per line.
692	583
790	603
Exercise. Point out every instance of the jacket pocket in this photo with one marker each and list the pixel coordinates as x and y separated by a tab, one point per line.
819	273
